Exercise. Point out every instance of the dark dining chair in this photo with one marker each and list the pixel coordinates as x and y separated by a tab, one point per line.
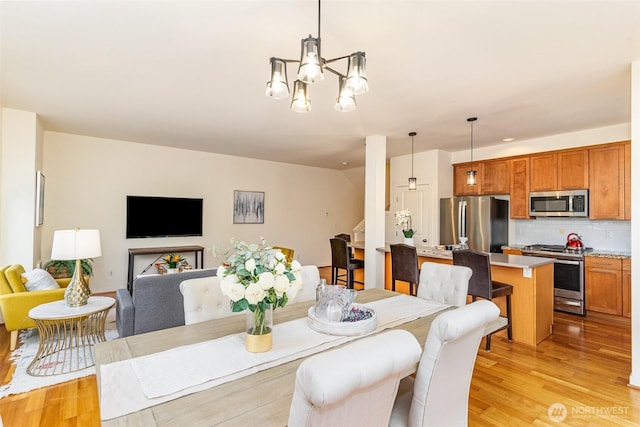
404	266
346	237
340	260
481	286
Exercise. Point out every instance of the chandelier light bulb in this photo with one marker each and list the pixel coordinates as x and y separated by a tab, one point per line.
310	70
346	101
300	102
277	86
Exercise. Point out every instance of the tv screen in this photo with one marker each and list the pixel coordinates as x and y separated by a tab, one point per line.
163	217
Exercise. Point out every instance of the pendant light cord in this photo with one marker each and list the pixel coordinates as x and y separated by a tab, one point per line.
471	120
411	156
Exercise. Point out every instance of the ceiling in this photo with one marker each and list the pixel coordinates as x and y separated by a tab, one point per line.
192	74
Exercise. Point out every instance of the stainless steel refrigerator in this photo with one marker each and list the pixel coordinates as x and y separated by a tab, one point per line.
484	220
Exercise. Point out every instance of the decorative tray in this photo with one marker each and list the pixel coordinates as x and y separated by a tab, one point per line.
361	320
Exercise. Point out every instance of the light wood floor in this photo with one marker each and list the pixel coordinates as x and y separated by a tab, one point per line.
583	366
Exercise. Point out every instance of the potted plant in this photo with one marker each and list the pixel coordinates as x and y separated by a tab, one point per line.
64	268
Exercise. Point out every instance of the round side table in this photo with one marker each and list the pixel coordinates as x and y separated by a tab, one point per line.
67	335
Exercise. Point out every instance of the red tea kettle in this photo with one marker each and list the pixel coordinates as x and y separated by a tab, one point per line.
574	241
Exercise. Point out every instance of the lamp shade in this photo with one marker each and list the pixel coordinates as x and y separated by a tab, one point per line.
346	101
357	73
278	86
300	102
76	244
310	70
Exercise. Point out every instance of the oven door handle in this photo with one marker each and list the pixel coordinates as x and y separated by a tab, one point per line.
565	261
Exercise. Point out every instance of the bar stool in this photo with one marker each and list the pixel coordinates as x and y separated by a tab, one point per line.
482	286
340	260
404	266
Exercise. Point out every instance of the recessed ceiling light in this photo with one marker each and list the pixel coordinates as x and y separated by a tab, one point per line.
344	163
508	139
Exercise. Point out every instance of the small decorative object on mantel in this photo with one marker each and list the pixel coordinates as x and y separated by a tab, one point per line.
174	261
403	219
258	278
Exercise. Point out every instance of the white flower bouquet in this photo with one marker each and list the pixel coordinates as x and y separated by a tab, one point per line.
257	277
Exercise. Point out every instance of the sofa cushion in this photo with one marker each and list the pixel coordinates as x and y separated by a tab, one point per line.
13	274
39	280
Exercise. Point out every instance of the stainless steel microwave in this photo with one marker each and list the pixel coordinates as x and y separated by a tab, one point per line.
573	203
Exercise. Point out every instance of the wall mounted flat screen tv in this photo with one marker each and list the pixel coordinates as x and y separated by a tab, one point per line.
163	217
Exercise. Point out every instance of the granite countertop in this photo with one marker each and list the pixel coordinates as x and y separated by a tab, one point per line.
503	260
595	253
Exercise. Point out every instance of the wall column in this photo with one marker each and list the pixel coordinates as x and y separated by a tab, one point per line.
634	378
374	199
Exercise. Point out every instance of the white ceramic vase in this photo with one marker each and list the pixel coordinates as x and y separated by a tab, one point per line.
409	241
172	270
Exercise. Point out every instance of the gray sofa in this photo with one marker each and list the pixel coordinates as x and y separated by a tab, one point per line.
155	302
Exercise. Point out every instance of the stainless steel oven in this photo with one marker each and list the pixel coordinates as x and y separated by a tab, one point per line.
568	275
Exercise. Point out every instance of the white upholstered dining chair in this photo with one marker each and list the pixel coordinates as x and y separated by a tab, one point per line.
203	300
439	395
444	283
335	388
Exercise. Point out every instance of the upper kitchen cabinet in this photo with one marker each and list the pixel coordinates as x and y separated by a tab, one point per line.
627	180
560	170
519	188
460	186
607	179
573	169
543	174
495	177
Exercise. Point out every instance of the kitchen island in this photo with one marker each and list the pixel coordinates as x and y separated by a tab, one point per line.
531	278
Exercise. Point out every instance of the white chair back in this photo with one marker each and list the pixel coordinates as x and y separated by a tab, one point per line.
439	396
203	300
355	384
310	279
444	283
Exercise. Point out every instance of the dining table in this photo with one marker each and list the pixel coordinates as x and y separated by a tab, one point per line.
259	398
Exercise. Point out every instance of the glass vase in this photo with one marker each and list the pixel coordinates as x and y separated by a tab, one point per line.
259	328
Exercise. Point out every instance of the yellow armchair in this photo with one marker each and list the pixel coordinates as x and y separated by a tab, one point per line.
16	301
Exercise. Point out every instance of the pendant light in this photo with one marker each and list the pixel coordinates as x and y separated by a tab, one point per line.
413	182
471	174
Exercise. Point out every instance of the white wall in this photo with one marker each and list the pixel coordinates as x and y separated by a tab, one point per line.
89	178
426	167
603	135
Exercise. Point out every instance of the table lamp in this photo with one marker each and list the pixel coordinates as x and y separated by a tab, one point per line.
76	245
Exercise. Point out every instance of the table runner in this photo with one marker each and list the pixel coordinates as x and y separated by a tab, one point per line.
132	385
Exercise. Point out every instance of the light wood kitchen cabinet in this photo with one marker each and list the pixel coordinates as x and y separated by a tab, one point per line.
627	180
626	287
603	285
560	170
460	187
495	177
543	174
519	188
573	169
607	182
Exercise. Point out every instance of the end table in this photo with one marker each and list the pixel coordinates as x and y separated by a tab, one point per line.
67	335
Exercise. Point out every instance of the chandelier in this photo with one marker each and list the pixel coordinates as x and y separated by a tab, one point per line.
311	70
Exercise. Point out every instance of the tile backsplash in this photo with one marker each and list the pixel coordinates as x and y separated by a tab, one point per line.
599	235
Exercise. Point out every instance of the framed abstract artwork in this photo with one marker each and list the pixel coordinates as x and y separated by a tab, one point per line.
248	207
39	199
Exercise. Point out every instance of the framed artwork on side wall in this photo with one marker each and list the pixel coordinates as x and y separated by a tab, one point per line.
39	199
248	207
